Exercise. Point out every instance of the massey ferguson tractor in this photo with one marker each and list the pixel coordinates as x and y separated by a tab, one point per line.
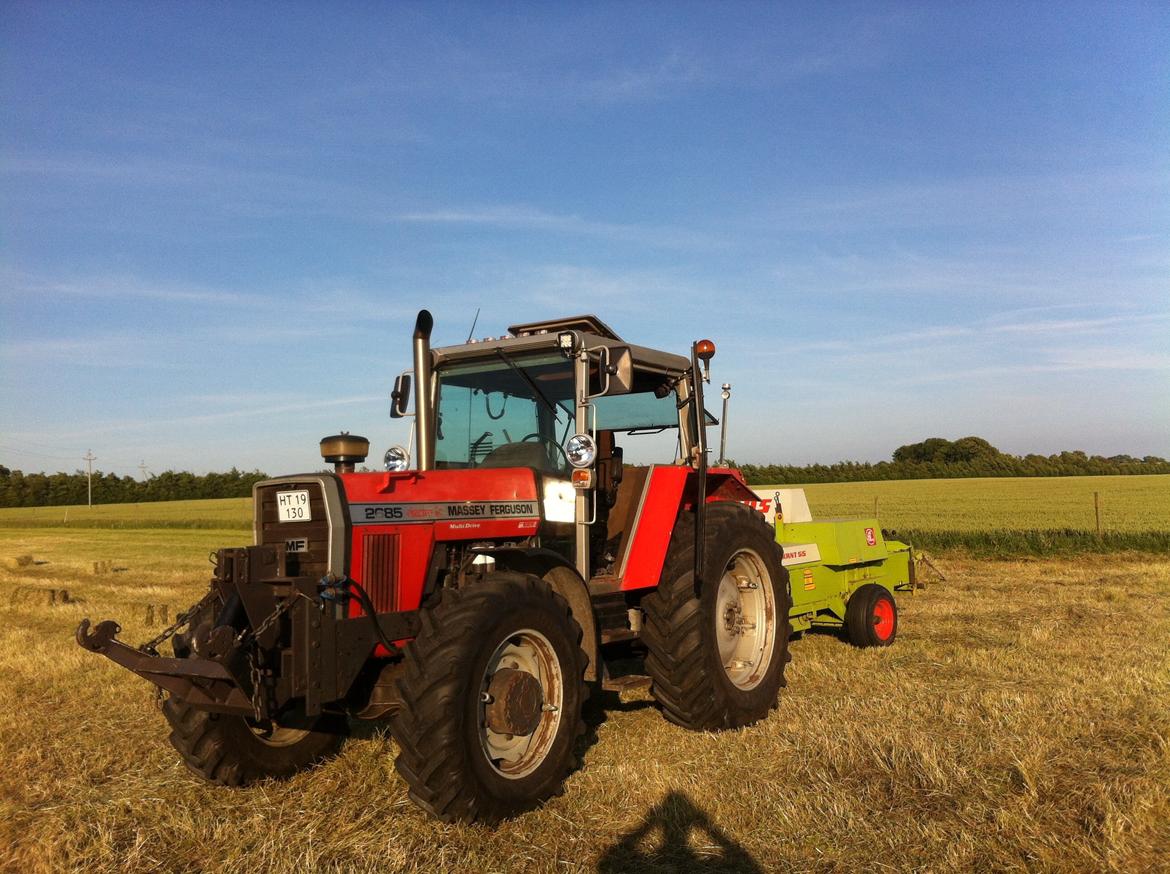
472	597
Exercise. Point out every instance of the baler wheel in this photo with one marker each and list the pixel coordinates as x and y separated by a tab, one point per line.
491	692
717	654
871	616
232	751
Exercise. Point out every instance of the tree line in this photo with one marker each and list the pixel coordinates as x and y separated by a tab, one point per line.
19	489
939	458
934	458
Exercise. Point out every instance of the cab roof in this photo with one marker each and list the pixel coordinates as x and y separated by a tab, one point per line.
537	336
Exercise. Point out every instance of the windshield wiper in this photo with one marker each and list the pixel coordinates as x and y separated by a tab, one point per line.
507	359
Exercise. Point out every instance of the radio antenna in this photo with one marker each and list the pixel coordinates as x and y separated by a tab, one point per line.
473	324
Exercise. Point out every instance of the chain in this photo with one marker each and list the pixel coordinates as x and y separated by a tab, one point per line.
253	667
151	646
283	607
257	682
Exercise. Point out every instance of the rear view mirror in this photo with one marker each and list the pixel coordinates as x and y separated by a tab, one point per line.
400	397
621	371
613	374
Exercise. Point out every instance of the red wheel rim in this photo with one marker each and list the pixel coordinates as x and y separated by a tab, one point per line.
883	618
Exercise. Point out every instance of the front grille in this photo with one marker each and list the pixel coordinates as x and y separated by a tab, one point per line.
380	568
313	535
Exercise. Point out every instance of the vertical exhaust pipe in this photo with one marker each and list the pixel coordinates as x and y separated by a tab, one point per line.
423	399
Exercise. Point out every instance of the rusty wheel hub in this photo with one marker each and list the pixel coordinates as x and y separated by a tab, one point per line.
516	702
520	698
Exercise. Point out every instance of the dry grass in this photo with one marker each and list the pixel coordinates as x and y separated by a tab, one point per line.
1022	721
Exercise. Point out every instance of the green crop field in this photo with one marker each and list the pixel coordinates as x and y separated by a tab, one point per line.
1128	503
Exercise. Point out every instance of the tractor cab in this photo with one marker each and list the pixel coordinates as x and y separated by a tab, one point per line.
563	399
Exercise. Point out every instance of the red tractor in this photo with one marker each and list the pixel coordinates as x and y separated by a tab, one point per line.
474	597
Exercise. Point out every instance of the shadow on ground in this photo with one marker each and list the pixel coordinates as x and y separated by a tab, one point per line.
676	836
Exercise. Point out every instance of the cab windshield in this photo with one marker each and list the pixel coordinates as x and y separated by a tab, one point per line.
505	412
518	411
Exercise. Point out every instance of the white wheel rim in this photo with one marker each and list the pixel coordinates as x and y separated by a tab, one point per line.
745	620
277	735
515	756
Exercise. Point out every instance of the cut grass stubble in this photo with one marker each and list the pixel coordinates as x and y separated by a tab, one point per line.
1020	721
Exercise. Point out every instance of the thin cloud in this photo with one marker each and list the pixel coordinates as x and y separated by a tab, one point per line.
509	217
1103	359
15	285
105	350
244	413
1078	326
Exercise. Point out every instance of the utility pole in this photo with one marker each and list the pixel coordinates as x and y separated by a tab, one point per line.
89	458
723	430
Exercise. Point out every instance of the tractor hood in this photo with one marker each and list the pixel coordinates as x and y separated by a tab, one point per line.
460	504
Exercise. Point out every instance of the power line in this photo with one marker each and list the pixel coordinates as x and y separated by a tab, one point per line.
89	458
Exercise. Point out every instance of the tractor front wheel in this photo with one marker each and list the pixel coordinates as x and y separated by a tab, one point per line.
233	751
871	616
491	700
718	647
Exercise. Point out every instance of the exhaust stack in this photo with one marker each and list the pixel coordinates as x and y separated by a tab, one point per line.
423	397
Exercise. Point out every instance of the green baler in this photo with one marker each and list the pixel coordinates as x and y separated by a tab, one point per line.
843	572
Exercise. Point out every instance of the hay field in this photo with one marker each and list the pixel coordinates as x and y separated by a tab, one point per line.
212	513
1128	503
1021	721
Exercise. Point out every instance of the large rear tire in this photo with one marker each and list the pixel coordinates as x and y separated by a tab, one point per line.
491	693
717	651
233	751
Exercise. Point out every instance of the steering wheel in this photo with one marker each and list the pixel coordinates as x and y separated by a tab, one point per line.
536	437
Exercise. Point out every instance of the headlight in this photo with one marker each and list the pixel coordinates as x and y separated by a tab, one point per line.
560	500
397	459
581	450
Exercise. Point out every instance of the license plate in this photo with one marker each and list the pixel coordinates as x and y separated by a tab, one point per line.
293	507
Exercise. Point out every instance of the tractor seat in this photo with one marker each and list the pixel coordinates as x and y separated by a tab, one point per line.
518	455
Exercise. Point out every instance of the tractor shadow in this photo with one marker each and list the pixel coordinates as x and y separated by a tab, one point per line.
602	702
838	634
667	840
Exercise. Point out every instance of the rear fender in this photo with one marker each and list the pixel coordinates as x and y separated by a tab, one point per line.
727	484
662	498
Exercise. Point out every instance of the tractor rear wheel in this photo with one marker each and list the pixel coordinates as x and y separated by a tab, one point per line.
492	691
233	751
871	616
717	650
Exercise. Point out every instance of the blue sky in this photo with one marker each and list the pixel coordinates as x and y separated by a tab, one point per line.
218	220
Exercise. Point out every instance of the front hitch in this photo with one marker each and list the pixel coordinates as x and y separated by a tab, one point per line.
100	638
202	682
